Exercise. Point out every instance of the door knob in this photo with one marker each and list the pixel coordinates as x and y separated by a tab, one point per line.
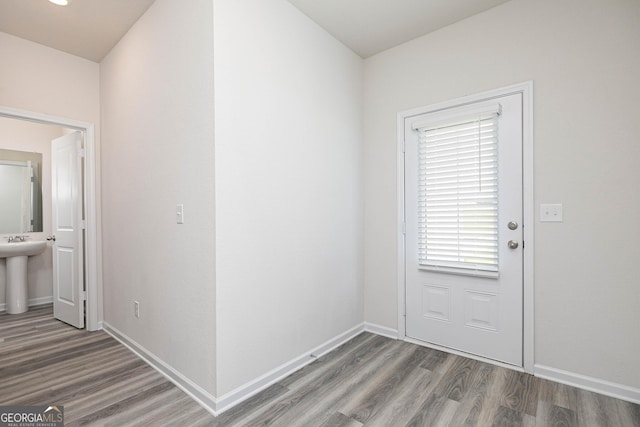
512	244
52	237
512	225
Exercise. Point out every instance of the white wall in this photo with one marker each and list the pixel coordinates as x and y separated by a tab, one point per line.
584	59
33	137
288	187
36	78
156	89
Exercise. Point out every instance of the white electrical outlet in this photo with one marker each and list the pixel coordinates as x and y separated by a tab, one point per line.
136	309
551	212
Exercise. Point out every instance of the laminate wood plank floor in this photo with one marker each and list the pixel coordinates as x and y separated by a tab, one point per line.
369	381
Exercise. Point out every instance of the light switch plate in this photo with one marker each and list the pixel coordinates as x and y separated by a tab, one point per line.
551	212
180	214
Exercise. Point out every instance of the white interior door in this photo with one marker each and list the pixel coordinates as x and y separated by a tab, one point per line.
463	213
68	284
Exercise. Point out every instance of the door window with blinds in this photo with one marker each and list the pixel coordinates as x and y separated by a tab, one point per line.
458	191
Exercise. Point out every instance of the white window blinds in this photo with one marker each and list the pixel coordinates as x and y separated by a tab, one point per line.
458	192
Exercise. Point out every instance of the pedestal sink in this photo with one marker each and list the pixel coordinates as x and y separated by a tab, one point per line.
17	253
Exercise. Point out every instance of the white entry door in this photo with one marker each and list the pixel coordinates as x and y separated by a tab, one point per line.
68	284
464	238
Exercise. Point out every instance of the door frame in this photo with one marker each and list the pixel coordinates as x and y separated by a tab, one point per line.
528	209
91	253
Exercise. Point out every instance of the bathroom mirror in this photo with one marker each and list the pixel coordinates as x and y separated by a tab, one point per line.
20	192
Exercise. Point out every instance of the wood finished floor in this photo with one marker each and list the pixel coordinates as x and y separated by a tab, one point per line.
369	381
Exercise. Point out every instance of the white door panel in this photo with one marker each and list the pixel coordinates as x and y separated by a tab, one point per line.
468	310
68	304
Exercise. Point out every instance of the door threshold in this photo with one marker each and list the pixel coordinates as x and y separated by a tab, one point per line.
463	354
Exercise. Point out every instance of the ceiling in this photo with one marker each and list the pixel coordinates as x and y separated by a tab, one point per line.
85	28
371	26
90	28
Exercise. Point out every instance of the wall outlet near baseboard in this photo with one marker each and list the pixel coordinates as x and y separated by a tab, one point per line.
136	309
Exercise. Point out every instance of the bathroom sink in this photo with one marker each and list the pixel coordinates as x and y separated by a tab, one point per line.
17	254
27	248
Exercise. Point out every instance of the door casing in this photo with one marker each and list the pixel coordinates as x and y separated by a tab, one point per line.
526	89
92	230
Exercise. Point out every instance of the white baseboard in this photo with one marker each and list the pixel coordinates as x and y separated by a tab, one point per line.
619	391
381	330
228	400
31	302
596	385
204	398
214	405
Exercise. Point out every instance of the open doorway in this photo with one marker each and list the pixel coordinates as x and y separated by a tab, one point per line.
89	283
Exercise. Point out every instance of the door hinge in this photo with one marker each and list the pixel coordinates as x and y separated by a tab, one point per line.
83	295
81	152
404	227
403	144
83	224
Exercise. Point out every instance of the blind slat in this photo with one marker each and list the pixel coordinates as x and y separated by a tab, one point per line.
458	194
